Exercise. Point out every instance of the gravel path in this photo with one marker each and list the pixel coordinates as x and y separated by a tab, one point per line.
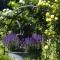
15	56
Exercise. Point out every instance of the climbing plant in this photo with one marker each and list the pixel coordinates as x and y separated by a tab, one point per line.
32	16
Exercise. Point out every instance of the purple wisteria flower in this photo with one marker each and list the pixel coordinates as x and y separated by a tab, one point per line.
35	38
23	41
10	37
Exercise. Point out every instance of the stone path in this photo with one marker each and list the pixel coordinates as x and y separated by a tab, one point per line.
15	56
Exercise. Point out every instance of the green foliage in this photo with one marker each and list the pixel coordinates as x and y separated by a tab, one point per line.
12	4
3	55
43	18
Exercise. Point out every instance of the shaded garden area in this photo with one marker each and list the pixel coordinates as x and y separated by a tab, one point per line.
31	26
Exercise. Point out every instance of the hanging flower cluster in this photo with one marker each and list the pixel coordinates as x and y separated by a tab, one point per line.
7	12
23	41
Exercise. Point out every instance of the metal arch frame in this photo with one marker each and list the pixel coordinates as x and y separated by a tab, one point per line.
15	17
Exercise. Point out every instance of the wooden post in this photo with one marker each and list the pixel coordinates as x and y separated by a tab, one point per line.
4	50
